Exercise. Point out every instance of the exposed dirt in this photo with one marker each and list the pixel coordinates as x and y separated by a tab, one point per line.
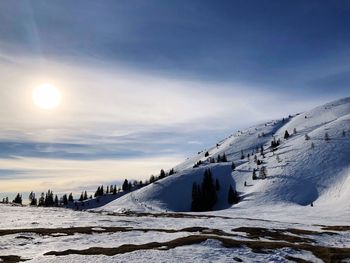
176	215
281	234
56	232
11	259
336	228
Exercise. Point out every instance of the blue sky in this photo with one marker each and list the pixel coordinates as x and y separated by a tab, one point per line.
151	82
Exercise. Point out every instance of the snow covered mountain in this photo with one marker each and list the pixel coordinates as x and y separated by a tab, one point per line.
311	166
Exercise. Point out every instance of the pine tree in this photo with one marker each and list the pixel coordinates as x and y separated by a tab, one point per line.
286	135
97	192
70	198
107	190
233	166
152	179
32	199
64	199
242	155
5	200
115	190
125	185
224	158
263	172
307	137
232	197
56	200
275	143
206	154
171	172
254	177
161	174
49	198
42	200
326	137
81	197
18	199
85	195
204	195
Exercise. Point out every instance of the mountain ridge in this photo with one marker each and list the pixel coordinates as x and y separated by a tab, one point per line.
309	168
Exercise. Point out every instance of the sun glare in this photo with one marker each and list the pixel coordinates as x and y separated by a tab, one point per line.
46	96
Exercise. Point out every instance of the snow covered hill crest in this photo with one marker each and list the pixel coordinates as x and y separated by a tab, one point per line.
311	166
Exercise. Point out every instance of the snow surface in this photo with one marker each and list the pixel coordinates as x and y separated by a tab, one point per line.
302	175
33	246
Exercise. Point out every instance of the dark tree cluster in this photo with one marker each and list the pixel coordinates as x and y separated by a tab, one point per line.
221	158
5	200
232	197
32	199
127	186
275	143
233	166
286	135
99	191
254	177
18	199
204	195
48	199
112	189
262	173
70	198
83	196
242	155
64	200
197	164
162	175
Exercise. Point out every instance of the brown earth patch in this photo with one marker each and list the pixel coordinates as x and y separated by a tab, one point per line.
11	259
57	232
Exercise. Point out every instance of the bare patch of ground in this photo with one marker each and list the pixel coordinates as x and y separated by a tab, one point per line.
11	259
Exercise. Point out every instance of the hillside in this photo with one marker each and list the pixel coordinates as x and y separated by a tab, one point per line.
300	171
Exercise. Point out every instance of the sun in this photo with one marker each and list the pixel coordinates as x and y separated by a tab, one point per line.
46	96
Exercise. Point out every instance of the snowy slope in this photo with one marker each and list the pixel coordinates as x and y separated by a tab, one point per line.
174	193
303	174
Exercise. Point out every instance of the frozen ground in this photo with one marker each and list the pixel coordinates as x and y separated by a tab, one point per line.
264	234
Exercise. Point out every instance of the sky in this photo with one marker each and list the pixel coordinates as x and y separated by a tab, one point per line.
145	84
